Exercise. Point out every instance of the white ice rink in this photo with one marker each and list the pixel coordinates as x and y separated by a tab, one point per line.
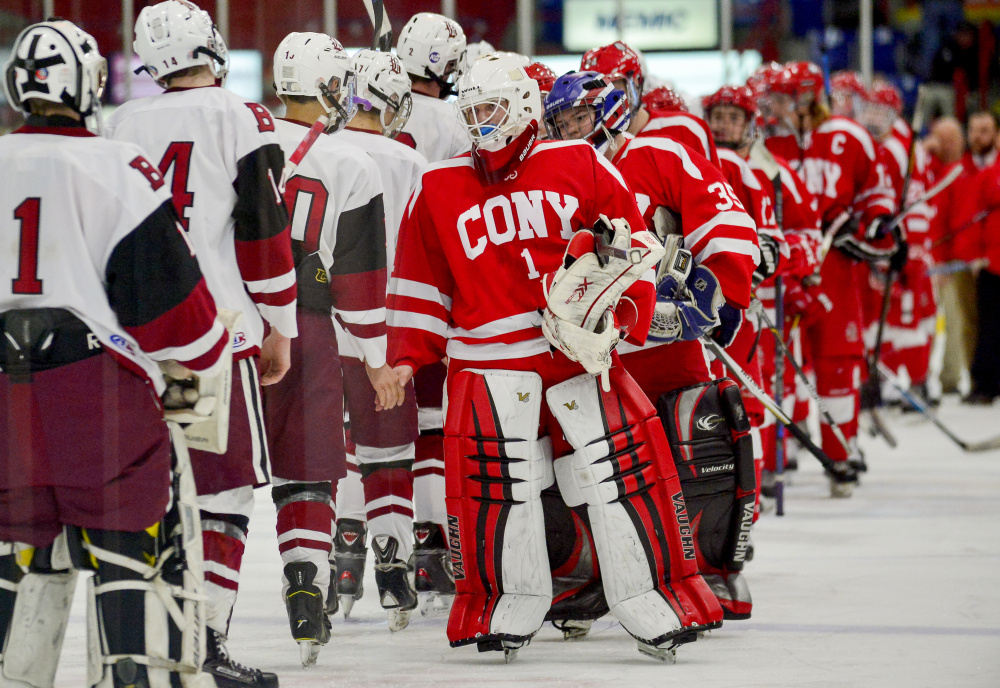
897	587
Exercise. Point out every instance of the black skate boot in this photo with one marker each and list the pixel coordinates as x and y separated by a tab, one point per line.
350	550
433	578
306	615
230	674
332	600
396	593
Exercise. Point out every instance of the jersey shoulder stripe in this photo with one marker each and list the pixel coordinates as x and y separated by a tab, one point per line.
669	145
689	123
747	176
856	131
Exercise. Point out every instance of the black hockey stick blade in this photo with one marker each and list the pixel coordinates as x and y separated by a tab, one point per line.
382	37
881	429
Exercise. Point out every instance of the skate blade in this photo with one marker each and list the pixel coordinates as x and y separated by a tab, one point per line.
308	653
667	655
575	630
398	619
509	654
435	604
346	604
841	490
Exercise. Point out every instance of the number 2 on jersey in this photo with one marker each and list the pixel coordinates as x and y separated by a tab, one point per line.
27	281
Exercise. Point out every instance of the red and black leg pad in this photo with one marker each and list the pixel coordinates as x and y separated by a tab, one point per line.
709	436
577	590
618	471
495	471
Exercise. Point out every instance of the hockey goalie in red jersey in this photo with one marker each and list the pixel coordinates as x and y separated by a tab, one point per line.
498	269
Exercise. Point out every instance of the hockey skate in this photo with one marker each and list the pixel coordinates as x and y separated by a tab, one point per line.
395	591
433	579
306	615
573	629
332	600
230	674
509	645
842	480
349	552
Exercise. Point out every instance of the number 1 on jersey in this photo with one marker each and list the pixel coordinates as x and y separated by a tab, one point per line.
532	272
27	281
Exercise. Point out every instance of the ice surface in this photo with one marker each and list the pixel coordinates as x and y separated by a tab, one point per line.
898	586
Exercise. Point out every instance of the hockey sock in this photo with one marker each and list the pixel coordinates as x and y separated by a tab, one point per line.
428	479
305	526
387	476
838	382
224	537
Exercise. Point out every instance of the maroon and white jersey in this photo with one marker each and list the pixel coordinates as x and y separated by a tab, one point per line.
689	129
338	234
716	227
219	157
87	230
839	164
433	129
468	276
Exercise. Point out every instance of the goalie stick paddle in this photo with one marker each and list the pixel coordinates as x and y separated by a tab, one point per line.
778	412
920	406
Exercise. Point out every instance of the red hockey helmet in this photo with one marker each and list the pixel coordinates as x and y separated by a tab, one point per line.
761	77
727	131
847	81
847	93
664	99
618	61
797	80
543	74
885	93
738	96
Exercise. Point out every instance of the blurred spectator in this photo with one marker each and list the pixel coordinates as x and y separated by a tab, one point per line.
985	371
956	292
954	68
983	129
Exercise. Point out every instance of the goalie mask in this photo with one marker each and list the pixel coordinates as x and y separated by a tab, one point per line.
177	35
499	106
58	63
384	85
588	106
315	65
431	46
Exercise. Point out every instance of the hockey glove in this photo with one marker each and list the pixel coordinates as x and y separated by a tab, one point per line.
730	319
686	310
879	228
807	302
770	255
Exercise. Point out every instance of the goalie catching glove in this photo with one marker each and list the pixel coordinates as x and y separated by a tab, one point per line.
582	295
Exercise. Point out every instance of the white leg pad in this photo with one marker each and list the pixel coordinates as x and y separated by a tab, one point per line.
37	628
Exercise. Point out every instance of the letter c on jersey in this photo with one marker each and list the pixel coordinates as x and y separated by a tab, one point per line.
470	215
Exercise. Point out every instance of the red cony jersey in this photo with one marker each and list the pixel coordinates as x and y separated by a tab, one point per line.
716	227
470	258
894	156
799	220
839	166
684	127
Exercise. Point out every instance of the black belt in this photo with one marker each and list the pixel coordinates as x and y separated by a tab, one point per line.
37	339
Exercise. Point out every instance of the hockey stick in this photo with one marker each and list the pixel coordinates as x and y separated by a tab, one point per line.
919	405
779	414
382	28
318	127
971	222
915	126
758	307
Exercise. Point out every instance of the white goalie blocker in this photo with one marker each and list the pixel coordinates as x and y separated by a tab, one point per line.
200	403
582	294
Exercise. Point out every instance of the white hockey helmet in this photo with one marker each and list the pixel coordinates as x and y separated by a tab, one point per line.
57	62
316	65
176	35
432	46
476	50
383	84
500	106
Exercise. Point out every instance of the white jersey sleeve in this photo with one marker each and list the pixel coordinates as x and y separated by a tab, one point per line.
434	130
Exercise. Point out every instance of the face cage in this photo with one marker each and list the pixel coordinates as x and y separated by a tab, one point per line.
339	101
400	116
876	118
749	134
485	132
599	136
